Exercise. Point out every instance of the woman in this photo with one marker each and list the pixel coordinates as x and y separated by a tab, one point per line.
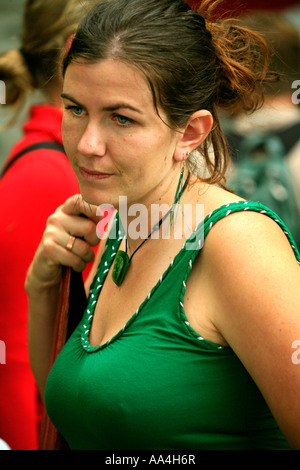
182	347
31	187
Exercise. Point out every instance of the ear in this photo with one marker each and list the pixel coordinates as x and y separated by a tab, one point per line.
193	134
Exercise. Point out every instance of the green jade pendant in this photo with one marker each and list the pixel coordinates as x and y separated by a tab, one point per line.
120	267
122	259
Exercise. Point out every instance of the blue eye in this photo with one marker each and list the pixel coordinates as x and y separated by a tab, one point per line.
122	120
77	110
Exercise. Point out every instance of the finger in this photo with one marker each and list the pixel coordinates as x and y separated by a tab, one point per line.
83	228
63	225
70	259
70	243
76	205
80	248
70	235
56	253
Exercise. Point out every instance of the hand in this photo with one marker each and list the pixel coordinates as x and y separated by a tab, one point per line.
67	241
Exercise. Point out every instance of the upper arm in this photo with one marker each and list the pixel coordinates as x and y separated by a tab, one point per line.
255	291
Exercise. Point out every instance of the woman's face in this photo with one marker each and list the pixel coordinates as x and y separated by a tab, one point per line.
116	142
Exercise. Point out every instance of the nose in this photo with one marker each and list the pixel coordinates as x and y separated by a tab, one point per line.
92	142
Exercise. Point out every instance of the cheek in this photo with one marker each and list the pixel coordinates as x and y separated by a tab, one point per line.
65	129
140	148
69	136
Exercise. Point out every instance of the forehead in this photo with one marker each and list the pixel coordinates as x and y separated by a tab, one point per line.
106	82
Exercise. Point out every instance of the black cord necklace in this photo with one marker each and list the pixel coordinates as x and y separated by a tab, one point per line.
122	259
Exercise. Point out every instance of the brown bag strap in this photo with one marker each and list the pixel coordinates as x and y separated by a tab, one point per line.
49	435
72	302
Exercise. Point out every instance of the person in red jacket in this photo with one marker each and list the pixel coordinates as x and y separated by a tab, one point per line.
30	191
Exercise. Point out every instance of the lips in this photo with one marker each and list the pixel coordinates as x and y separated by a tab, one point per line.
93	174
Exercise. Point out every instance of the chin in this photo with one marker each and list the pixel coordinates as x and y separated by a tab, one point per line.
96	197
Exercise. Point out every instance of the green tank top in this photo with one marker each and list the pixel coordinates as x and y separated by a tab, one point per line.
157	384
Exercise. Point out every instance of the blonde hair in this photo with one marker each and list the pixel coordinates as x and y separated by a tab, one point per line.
47	25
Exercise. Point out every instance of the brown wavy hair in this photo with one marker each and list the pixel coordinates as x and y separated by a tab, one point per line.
189	60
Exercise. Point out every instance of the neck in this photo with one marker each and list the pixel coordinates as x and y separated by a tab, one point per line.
141	219
123	258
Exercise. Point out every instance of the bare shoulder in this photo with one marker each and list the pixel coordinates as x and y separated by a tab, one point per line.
249	233
242	231
253	283
248	262
248	252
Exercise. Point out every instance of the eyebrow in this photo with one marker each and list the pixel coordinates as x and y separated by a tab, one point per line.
69	97
113	107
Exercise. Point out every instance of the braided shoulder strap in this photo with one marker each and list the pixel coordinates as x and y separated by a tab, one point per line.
240	206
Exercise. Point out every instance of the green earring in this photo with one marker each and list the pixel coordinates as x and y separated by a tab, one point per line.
179	190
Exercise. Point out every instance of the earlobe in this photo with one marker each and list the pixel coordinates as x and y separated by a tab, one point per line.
194	133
